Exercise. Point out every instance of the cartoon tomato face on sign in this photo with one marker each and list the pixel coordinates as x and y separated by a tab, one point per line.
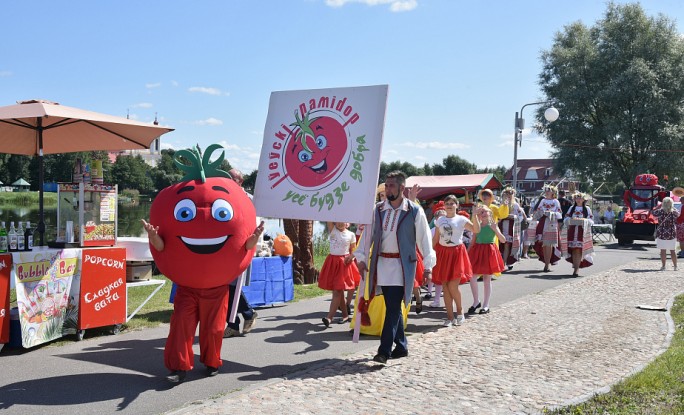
316	153
204	226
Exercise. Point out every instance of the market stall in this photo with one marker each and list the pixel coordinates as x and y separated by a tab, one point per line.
63	291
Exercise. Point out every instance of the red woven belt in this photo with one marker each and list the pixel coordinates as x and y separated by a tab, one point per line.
390	254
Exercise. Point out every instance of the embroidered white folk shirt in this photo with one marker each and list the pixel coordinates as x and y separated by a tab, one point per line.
389	270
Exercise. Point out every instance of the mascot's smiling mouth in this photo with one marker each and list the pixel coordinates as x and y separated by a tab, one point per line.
321	167
204	245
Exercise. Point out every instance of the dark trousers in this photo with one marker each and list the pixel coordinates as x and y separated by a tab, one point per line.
243	308
393	327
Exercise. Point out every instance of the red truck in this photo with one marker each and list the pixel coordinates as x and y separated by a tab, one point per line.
640	199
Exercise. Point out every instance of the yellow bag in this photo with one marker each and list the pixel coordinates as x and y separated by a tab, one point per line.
376	311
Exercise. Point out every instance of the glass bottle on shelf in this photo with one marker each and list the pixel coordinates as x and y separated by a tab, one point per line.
12	238
20	238
28	237
4	244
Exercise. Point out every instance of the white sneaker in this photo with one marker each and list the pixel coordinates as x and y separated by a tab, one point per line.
448	323
435	305
460	319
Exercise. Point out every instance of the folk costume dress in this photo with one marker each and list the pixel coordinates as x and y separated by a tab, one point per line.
335	275
452	257
577	235
484	254
510	227
547	232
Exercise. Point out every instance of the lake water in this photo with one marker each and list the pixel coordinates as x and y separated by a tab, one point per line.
129	220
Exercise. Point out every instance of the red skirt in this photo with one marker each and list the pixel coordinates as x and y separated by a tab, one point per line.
485	259
335	275
420	269
452	264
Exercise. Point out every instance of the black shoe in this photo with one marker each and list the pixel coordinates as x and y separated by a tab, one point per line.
380	358
484	310
472	310
427	296
176	376
326	322
212	371
398	353
419	307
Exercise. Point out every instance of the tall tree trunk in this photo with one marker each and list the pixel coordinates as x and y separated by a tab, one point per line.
292	231
306	251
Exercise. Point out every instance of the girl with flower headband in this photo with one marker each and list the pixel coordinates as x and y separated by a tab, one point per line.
510	228
547	211
484	256
578	234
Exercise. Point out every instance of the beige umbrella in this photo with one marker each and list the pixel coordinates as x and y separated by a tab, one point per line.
39	127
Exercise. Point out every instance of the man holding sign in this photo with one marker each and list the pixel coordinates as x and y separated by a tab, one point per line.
398	226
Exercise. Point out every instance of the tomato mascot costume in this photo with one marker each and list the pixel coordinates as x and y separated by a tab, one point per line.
202	237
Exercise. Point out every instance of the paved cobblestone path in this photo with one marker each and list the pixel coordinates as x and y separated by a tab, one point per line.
542	350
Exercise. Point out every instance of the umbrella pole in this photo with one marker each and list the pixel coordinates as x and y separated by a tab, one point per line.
41	173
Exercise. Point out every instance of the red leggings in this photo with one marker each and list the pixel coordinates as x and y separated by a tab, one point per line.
206	306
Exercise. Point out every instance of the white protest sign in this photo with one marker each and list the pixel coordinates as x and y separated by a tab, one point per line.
320	157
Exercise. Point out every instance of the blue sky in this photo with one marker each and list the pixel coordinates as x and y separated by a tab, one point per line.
457	70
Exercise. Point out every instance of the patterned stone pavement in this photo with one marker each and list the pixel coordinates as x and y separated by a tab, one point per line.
543	350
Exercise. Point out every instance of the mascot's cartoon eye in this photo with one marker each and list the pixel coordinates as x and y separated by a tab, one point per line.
221	210
304	156
321	142
185	210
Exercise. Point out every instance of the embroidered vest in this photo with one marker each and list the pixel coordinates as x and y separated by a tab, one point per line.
406	235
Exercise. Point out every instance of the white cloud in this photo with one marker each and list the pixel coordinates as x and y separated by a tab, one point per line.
209	121
420	158
435	145
154	85
4	74
395	5
174	83
206	90
142	105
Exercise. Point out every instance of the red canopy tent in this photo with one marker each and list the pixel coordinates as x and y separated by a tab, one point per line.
435	186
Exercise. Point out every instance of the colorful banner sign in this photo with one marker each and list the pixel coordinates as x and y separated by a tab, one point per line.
5	268
103	288
43	282
320	157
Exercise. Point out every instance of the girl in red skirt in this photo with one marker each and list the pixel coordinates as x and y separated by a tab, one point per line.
484	256
339	272
453	266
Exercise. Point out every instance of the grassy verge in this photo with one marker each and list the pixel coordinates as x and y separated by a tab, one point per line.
658	389
26	199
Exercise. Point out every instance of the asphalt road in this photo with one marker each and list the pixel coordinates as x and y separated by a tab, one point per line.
124	373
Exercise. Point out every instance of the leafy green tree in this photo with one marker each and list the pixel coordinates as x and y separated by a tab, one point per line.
19	167
166	173
131	172
619	87
453	165
498	171
250	181
406	167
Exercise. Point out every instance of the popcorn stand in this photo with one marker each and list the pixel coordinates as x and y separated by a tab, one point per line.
75	283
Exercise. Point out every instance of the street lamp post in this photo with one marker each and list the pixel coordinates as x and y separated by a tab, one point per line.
551	115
